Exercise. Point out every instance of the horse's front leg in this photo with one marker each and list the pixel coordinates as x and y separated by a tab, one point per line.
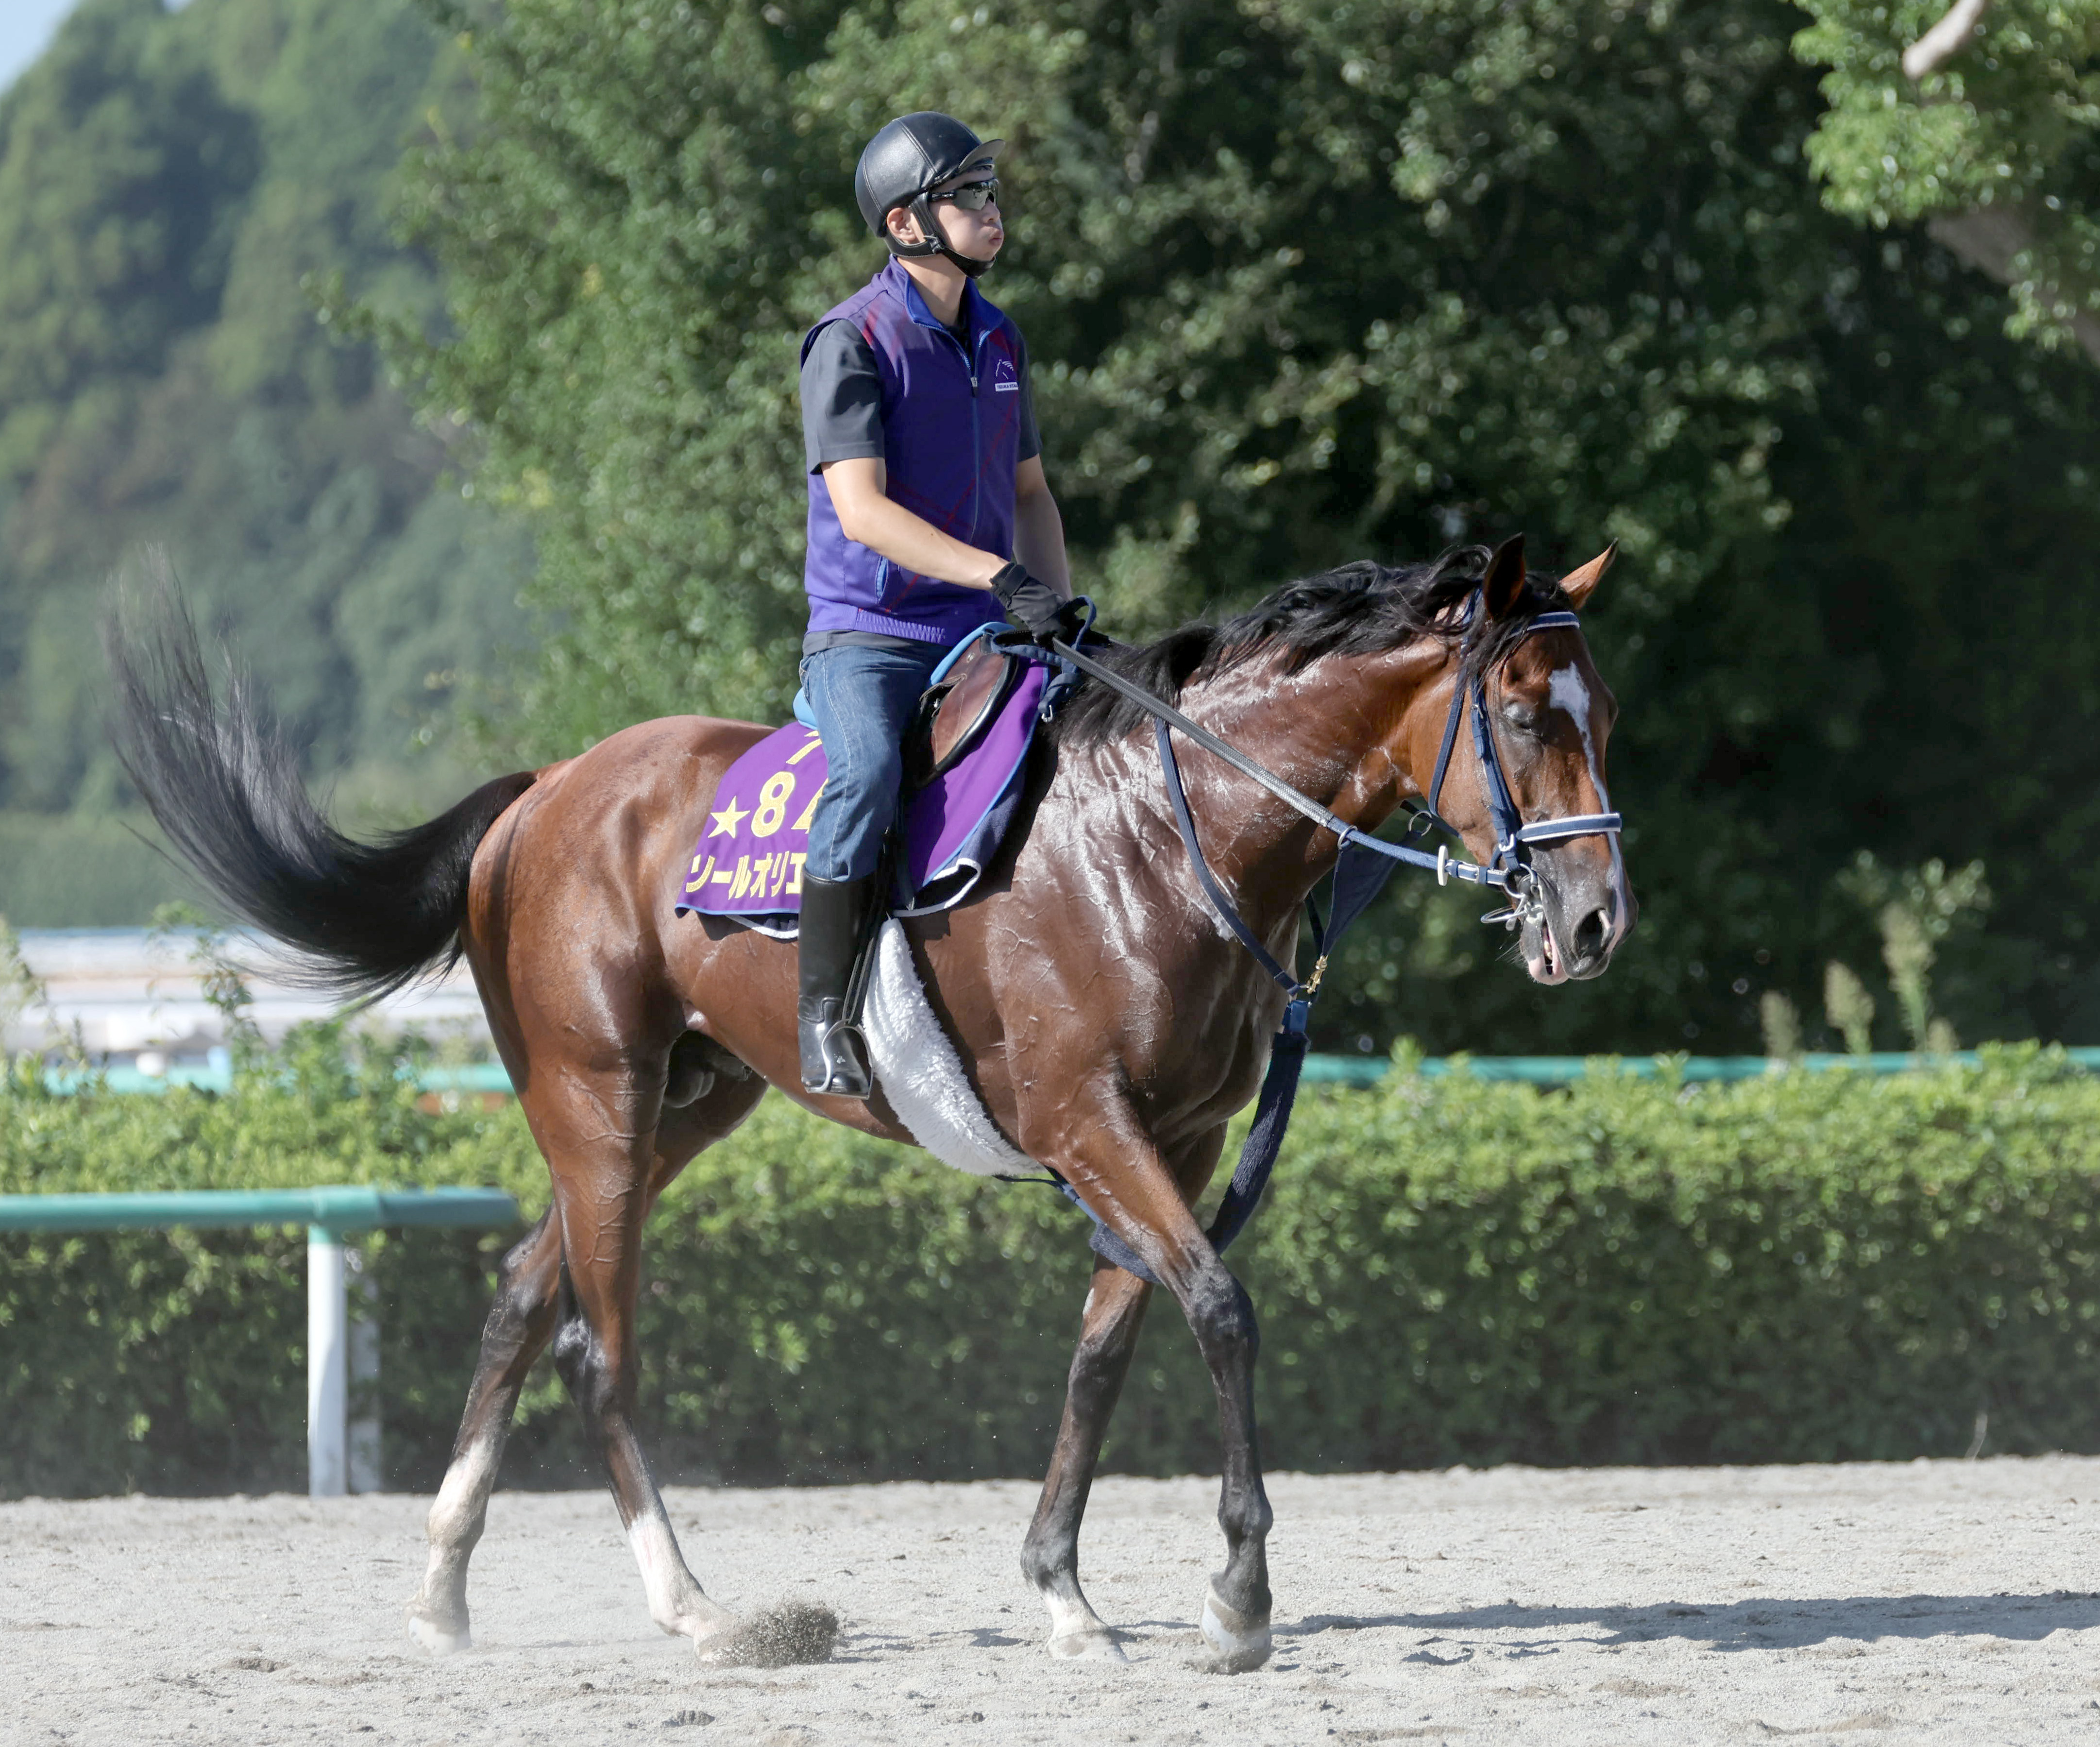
1236	1611
1050	1556
1118	1172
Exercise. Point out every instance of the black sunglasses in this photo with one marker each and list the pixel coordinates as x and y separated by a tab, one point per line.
972	196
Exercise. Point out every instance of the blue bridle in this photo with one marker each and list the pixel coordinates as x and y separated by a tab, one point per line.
1508	869
1512	835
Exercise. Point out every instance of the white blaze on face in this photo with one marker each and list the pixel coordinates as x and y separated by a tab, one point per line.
1567	690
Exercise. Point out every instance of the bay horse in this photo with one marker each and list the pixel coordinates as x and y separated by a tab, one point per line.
1104	1016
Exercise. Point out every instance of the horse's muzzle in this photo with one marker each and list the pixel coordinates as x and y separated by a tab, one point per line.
1584	921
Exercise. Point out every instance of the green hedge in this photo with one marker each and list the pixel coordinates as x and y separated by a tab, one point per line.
1811	1267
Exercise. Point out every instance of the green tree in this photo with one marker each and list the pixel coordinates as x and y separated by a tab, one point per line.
167	182
1304	280
121	169
1984	123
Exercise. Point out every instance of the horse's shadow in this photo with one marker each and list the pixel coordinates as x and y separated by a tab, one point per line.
1768	1623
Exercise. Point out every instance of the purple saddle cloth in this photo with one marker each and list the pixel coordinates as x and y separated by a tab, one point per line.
748	865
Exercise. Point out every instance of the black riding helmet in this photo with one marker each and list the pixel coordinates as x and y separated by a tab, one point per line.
913	154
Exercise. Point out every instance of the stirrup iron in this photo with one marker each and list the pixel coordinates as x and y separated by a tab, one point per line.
834	1052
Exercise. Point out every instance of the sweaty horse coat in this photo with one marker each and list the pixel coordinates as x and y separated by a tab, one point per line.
1106	1022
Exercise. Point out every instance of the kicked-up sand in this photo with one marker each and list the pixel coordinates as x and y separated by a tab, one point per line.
1930	1602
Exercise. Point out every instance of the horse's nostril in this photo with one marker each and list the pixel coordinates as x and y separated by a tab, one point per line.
1591	932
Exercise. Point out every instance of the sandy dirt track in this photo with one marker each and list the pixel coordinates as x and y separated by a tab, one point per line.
1928	1602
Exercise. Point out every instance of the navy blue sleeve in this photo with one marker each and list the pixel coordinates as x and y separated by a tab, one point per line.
841	398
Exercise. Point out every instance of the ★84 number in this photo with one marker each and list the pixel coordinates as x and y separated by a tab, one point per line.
778	790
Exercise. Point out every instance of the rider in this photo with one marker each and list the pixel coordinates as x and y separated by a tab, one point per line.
927	500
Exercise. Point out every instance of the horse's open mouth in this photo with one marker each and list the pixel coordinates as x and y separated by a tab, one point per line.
1545	965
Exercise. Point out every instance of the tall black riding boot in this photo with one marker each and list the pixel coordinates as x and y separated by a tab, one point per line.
834	1053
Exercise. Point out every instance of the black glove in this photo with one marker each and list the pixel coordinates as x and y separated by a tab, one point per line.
1071	620
1031	602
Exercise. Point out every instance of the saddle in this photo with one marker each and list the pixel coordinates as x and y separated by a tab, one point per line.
964	749
953	712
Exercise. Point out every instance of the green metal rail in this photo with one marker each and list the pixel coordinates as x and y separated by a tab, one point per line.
328	1214
477	1076
329	1211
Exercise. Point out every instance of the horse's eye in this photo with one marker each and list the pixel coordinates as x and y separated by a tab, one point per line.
1525	717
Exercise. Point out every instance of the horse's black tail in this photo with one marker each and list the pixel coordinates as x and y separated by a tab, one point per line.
364	919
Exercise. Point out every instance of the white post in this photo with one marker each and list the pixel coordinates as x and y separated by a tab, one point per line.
365	1472
328	1365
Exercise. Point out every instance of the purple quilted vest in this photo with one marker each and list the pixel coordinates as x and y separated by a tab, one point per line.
951	434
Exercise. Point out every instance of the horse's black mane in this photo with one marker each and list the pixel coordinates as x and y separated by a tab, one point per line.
1359	609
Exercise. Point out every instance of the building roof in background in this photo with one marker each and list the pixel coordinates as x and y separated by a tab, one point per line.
133	990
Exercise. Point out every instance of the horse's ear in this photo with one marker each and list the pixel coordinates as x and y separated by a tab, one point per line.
1504	581
1578	585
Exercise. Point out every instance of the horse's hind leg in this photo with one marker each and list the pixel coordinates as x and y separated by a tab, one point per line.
602	1195
519	1324
1050	1555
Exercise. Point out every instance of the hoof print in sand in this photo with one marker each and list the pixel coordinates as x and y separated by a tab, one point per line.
794	1631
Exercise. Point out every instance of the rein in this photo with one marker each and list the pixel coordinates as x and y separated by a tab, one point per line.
1362	866
1165	715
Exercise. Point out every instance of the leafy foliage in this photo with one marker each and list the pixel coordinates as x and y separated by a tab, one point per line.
1307	279
2010	123
1303	280
1809	1268
166	182
124	165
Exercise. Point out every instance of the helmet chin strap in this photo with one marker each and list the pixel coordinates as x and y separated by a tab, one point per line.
933	241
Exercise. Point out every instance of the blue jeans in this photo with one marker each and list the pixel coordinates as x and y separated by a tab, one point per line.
863	700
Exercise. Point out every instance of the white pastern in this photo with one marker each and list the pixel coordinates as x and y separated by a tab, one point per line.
437	1615
920	1073
1567	690
1240	1643
1078	1634
455	1515
675	1602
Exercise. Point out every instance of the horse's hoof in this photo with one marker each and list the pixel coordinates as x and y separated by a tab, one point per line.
1077	1633
717	1642
439	1640
1240	1642
1100	1645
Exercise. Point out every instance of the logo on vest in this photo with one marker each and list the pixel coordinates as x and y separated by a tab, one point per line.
1004	381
